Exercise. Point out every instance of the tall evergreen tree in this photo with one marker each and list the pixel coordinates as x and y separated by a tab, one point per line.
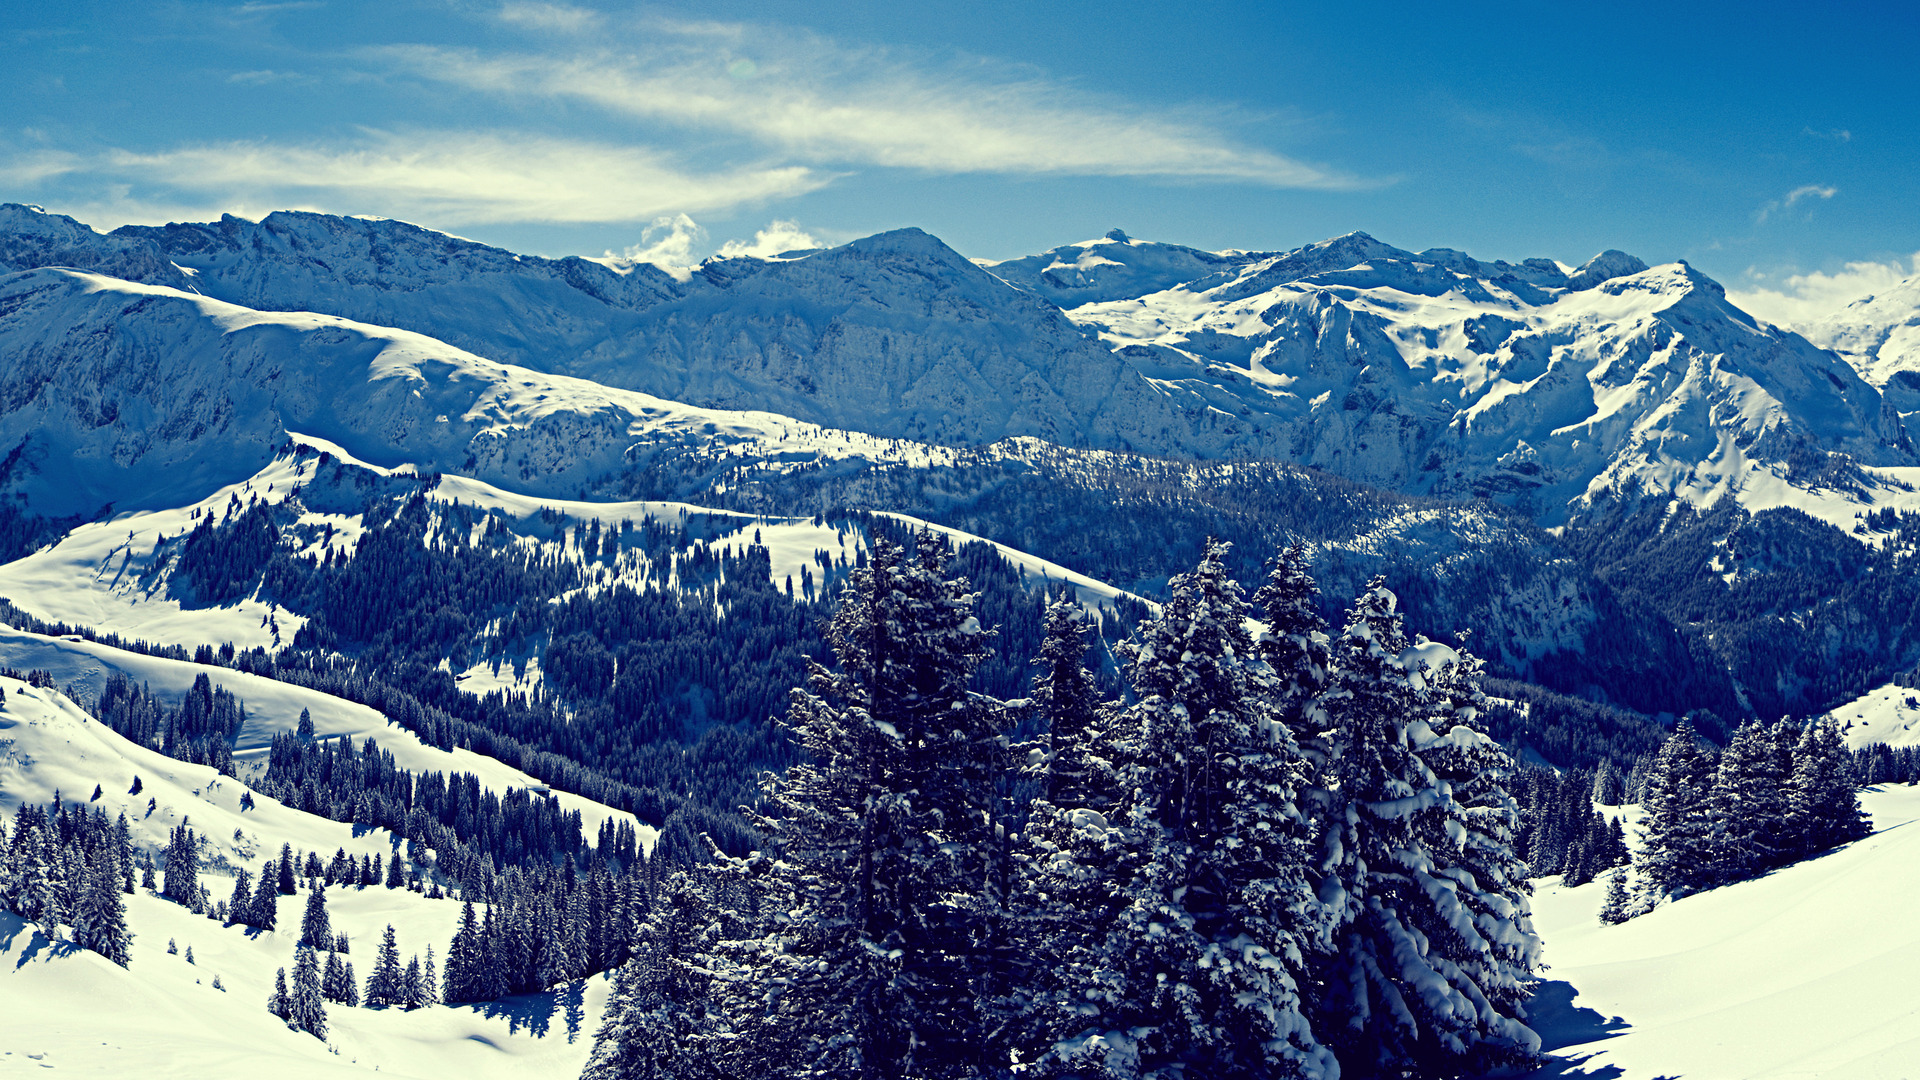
1616	908
884	837
280	1003
1747	806
1823	803
100	922
1199	970
240	904
316	930
182	882
264	910
1677	850
306	1008
1068	703
385	984
1418	984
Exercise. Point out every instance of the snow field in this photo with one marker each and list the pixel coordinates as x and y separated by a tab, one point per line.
1806	972
84	1016
1887	714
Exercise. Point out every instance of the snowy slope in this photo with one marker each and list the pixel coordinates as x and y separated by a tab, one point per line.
74	1012
1807	972
1887	714
271	707
135	396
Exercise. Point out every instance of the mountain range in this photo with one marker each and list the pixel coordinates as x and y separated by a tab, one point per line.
1556	407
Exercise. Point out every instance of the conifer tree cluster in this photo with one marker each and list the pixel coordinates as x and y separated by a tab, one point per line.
1776	794
538	928
1285	856
70	866
1561	832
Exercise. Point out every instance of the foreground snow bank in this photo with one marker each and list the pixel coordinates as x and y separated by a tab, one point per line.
1806	972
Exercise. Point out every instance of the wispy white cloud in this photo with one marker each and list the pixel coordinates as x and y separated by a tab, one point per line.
1787	201
1832	134
554	18
817	101
1800	299
266	76
441	177
29	168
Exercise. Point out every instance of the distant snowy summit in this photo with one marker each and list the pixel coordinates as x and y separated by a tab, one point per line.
1539	384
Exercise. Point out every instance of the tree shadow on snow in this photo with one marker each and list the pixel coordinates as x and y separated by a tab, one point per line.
1560	1023
532	1013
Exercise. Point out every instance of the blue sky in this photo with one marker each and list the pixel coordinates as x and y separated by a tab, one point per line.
1775	146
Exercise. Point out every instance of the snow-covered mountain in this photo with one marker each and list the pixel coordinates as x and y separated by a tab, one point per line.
140	396
1115	267
1880	336
1539	384
896	335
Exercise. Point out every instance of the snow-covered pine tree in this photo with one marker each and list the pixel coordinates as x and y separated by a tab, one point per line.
280	1003
306	1010
883	838
1198	972
1823	803
1609	787
182	882
1747	806
332	975
1295	645
1061	896
660	1022
316	930
1477	871
1417	985
240	904
123	848
384	984
1067	702
462	957
100	920
264	910
413	985
1676	848
1616	908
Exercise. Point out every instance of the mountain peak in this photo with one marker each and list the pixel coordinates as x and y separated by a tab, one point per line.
1605	266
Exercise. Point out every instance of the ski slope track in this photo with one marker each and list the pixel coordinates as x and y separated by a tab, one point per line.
65	1011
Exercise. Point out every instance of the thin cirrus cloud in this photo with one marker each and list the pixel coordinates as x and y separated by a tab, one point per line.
820	102
1787	201
463	178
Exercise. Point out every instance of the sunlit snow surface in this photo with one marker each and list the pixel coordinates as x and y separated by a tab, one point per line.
76	1014
1807	972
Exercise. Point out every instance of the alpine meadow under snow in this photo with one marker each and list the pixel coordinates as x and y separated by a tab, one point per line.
1128	661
